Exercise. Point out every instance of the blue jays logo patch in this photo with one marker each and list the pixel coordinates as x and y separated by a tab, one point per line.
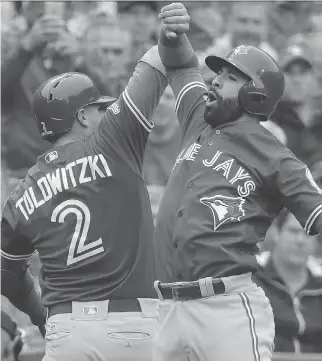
224	208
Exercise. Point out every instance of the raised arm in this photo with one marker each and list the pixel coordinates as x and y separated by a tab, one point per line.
181	63
127	122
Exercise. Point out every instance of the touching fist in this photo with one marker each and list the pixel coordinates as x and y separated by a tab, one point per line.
174	20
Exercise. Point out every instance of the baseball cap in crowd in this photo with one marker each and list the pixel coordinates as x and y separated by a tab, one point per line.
294	53
124	6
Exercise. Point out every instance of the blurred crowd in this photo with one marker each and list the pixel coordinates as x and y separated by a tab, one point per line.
105	40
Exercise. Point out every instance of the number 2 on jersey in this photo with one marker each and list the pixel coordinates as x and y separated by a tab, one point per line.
78	251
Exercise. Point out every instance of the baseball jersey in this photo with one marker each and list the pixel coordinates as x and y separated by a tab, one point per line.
226	187
85	208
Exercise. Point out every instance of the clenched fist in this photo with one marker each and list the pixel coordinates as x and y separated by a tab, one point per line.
174	20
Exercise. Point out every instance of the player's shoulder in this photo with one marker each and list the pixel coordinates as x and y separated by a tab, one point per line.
270	141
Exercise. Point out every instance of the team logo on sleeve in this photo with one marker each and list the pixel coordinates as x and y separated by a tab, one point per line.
224	208
49	157
114	108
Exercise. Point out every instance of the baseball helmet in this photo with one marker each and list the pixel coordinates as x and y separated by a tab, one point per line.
261	94
57	101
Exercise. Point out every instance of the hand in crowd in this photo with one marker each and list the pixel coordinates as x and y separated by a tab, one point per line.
174	20
66	45
45	30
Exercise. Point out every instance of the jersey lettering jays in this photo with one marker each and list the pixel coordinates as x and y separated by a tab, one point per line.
229	168
84	203
226	187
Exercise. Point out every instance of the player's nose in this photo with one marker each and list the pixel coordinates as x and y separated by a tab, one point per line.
217	82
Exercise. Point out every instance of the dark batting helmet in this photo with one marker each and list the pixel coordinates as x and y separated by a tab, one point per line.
57	101
261	94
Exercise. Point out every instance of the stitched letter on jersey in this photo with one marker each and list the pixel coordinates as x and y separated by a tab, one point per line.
224	208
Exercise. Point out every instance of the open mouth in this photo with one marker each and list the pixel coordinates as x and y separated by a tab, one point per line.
211	97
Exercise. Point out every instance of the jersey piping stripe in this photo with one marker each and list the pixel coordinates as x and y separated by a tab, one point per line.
16	257
135	110
251	319
185	89
313	216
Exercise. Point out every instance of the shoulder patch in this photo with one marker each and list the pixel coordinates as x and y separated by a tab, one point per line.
114	108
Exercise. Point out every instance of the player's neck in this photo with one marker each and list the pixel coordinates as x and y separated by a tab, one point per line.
65	139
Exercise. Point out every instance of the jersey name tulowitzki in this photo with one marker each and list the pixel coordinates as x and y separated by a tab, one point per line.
63	179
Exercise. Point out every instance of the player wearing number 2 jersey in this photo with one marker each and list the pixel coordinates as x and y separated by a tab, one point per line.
85	208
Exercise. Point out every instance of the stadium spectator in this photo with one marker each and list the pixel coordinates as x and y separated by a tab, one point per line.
288	18
24	67
292	280
295	113
247	25
140	18
206	23
161	149
80	18
163	143
11	342
104	55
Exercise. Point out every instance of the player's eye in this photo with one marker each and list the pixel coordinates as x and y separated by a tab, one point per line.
232	77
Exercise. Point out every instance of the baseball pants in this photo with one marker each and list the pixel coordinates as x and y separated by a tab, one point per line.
237	325
100	335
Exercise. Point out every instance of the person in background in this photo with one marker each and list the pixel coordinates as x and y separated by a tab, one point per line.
206	23
11	341
163	144
287	18
247	25
161	149
140	19
25	64
104	50
300	121
292	280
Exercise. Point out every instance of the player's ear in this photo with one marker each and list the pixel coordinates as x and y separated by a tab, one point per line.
81	116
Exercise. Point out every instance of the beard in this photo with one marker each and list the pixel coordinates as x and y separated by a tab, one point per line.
223	111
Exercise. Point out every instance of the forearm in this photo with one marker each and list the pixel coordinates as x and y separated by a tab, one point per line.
21	291
12	71
177	53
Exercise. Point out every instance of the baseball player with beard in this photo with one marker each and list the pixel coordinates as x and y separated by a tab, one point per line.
85	208
230	180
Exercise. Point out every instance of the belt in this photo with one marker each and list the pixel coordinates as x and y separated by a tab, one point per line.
183	291
121	305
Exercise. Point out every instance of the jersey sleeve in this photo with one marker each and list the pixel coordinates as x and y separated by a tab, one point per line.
189	90
14	244
127	122
299	192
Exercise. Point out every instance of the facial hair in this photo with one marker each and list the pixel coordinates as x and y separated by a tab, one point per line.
223	111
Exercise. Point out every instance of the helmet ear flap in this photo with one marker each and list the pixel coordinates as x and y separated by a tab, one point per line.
253	99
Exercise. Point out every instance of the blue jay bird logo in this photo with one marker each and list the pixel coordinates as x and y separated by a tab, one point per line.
224	208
